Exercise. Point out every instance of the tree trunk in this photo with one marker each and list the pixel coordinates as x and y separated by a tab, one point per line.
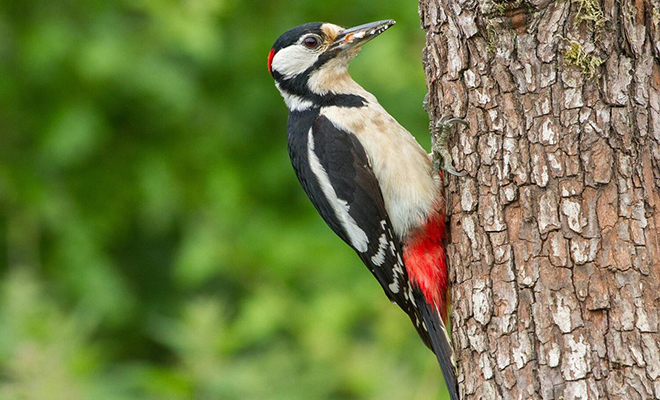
555	230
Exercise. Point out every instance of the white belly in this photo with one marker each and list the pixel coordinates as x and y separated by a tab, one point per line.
401	165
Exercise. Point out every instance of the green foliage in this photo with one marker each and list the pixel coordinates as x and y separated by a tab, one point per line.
156	244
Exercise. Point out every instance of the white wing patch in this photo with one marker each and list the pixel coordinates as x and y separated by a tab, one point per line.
356	236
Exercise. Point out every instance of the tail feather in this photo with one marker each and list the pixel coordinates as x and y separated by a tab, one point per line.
440	346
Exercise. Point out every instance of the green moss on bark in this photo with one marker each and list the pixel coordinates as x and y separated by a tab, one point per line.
587	63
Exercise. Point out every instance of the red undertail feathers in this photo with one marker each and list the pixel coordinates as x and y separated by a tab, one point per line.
425	259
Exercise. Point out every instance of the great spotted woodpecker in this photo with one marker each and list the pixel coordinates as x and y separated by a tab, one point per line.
367	176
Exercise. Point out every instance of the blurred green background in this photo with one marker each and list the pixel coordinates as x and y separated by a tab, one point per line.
155	241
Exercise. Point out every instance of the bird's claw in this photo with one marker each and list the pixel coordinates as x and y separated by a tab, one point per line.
443	159
450	168
446	122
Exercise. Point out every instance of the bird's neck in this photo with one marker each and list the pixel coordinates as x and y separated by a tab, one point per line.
331	88
332	80
295	102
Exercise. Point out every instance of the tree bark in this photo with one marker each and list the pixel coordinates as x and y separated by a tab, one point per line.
555	231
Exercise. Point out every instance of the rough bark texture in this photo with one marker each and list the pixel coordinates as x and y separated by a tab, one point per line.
555	230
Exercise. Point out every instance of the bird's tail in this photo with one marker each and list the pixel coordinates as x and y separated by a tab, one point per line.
440	346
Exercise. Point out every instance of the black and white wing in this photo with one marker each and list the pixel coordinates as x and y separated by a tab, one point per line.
335	172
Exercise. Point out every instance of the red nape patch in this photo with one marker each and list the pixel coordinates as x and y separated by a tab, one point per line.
426	262
270	60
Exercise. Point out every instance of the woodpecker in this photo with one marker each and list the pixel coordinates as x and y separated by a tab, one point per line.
367	176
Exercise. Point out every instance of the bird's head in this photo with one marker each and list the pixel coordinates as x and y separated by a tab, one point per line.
312	59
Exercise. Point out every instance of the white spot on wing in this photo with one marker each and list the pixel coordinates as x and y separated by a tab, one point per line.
410	295
357	237
379	257
396	272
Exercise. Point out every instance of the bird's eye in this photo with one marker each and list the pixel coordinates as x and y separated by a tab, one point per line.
311	42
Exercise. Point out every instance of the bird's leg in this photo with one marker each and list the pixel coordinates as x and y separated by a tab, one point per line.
441	157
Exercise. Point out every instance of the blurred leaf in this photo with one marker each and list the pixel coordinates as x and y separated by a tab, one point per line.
77	132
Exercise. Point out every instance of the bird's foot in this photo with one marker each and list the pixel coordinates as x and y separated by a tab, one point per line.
442	158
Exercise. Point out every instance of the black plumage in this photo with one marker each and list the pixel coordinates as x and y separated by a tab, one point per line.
344	160
346	163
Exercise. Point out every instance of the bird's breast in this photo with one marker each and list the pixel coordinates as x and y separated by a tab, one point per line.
402	167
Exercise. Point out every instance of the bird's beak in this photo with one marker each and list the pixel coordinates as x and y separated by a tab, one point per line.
359	35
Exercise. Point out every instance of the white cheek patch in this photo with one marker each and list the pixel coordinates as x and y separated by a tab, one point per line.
293	60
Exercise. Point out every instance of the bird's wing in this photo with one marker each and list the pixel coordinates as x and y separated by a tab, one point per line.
335	172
